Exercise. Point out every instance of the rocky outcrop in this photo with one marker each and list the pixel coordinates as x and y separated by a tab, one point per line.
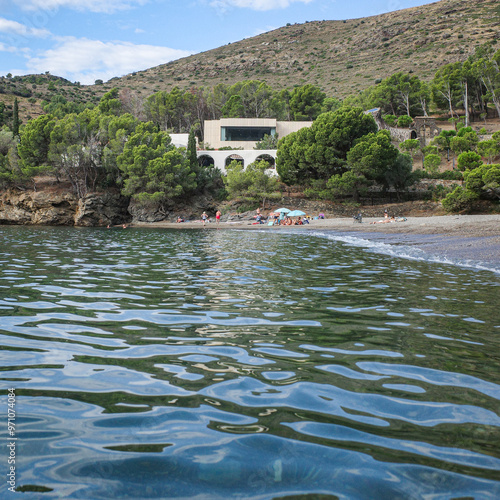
188	209
37	207
101	210
52	208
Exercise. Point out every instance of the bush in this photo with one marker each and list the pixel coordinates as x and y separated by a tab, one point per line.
405	121
459	200
391	120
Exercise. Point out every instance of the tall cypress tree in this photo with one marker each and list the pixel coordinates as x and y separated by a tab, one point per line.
191	151
15	118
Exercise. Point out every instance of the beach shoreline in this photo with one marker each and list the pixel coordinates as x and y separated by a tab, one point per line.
458	225
473	238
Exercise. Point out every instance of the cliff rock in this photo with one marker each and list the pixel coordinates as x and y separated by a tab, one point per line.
62	208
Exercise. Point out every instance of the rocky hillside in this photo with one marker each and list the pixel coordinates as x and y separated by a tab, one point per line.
341	57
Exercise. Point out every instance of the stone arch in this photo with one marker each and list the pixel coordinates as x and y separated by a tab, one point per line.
266	157
236	157
414	134
205	161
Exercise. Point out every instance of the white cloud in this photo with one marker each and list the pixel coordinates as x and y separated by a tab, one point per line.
87	60
106	6
18	29
254	4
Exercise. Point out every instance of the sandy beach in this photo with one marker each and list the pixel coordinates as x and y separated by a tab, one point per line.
456	237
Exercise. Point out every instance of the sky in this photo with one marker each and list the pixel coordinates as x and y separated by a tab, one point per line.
87	40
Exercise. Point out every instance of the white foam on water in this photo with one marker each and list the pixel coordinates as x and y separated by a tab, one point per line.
411	252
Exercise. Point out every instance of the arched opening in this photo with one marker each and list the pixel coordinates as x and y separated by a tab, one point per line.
205	161
268	158
414	134
234	157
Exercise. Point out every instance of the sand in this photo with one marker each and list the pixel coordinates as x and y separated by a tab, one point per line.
473	238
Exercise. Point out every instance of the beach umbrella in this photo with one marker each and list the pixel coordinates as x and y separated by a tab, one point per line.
296	213
282	210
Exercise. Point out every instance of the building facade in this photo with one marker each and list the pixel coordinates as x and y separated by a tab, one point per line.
246	132
242	135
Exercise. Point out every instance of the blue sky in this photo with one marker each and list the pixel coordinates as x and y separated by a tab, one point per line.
86	40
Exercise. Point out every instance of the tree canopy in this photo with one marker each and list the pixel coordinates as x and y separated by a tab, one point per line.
320	151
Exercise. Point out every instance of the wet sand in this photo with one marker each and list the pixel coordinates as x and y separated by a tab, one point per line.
456	237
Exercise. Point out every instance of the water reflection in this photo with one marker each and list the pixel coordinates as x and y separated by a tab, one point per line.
159	364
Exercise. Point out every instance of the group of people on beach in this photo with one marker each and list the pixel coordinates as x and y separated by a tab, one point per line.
205	218
273	219
387	219
288	221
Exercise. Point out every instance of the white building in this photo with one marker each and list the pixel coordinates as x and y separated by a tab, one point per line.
242	133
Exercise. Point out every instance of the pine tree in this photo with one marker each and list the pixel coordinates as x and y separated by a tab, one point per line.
15	118
191	151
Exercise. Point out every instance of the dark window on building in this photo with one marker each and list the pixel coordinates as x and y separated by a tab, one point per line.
250	134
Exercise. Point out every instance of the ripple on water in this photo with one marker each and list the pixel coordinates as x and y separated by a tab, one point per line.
228	364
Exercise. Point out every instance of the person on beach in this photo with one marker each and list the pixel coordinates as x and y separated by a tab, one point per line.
385	220
217	216
204	218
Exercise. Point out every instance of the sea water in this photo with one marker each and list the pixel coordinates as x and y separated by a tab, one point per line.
214	364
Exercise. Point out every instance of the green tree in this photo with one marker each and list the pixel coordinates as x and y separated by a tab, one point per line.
459	200
411	146
468	160
489	149
110	103
306	102
252	183
349	183
404	121
401	175
443	141
391	120
191	151
368	162
267	142
114	132
155	171
279	105
34	143
320	151
331	104
15	118
372	156
445	87
484	181
294	163
234	107
59	106
75	150
432	162
10	174
400	93
465	140
487	68
2	114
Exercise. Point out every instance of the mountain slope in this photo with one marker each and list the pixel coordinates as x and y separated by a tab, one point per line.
340	57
